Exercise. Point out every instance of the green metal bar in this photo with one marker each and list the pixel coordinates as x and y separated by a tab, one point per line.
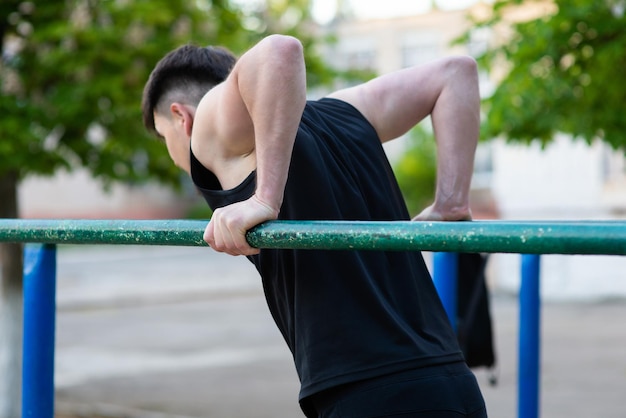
576	237
484	236
123	232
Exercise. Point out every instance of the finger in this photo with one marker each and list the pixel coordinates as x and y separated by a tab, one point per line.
238	244
208	236
223	238
425	215
244	248
214	233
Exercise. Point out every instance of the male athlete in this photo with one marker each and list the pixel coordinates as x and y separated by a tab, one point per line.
367	331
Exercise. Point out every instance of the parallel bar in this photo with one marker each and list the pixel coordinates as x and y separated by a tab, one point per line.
588	237
483	236
123	232
530	238
39	330
529	338
445	267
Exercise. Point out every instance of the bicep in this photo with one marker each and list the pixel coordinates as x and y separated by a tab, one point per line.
395	102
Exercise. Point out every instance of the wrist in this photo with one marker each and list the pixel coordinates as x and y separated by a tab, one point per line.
272	208
452	211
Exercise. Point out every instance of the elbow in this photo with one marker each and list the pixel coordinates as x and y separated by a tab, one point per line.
462	65
283	47
285	58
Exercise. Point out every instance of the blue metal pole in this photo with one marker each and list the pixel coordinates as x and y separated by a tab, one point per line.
39	330
445	266
529	338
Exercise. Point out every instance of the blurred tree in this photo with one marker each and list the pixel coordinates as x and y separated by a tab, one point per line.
563	69
416	170
71	78
295	18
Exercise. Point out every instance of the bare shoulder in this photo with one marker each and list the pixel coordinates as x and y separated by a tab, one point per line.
222	138
356	97
375	100
222	119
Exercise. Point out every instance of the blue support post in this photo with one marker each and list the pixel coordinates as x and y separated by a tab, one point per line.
39	330
445	266
529	338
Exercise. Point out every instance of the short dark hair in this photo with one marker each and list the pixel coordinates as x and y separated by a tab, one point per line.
184	74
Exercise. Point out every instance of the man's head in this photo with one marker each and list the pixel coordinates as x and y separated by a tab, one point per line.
175	88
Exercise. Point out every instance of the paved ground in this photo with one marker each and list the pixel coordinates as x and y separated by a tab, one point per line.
160	332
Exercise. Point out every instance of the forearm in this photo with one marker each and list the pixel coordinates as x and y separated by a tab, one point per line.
455	156
456	120
273	87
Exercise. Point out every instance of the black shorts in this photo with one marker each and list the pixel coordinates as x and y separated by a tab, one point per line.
444	391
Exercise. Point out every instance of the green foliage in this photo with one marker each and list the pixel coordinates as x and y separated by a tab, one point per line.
72	75
416	170
199	211
565	71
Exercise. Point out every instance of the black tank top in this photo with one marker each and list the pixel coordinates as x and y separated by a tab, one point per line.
346	315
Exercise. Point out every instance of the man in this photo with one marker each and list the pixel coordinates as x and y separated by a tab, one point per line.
366	329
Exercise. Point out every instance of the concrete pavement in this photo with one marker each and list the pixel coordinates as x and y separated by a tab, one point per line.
162	332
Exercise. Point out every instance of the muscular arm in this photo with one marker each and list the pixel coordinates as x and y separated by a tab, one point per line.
258	111
273	86
447	90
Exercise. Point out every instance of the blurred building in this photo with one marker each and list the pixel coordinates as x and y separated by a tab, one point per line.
386	45
77	195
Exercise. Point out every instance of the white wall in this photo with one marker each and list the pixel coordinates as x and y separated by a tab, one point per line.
77	195
567	181
564	278
562	181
